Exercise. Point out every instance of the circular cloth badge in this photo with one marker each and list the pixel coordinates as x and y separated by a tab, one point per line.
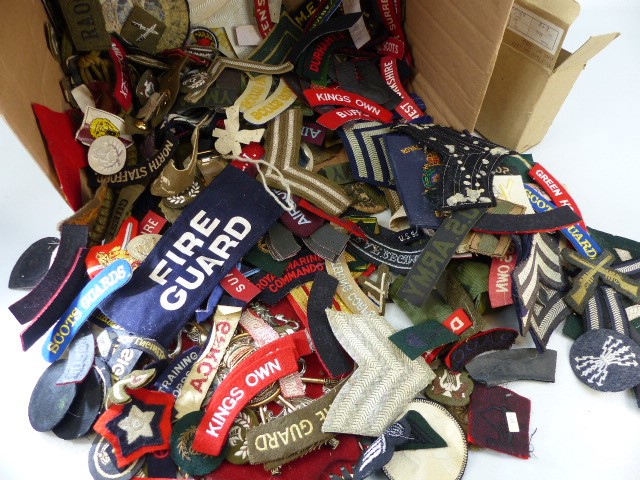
606	360
182	452
50	402
103	464
173	13
446	463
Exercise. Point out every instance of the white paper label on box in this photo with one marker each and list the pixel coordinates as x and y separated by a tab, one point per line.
536	29
512	422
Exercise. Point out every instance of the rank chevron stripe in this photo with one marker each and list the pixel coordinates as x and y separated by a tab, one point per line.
382	385
282	147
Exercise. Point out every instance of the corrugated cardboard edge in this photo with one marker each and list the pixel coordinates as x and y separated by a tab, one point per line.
532	91
558	87
455	44
29	75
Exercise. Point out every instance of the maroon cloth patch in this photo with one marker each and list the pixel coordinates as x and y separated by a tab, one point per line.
499	420
318	464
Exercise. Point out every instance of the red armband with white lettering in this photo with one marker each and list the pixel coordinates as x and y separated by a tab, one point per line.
559	196
334	96
263	367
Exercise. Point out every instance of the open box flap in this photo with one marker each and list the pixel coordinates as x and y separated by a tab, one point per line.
587	51
29	75
455	45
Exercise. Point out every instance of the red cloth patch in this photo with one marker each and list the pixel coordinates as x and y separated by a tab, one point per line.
139	427
318	464
67	154
499	420
239	286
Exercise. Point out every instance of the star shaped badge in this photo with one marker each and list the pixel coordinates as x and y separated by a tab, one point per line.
138	427
230	137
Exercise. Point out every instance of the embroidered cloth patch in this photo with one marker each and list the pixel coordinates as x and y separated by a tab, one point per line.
595	272
407	160
382	385
494	339
364	144
499	420
137	428
301	269
450	388
470	163
414	341
605	360
538	280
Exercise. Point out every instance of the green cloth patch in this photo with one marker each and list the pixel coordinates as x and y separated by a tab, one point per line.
435	308
414	341
264	261
424	436
573	326
474	277
340	173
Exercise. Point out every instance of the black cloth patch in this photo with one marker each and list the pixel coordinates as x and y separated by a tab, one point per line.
382	449
605	360
416	340
337	24
33	264
302	268
327	242
379	251
464	352
502	366
83	411
160	465
435	256
549	221
281	242
46	303
49	401
333	357
470	163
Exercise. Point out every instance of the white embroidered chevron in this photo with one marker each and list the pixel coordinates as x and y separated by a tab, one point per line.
385	381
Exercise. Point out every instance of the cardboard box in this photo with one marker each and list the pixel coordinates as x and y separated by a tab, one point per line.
533	75
455	44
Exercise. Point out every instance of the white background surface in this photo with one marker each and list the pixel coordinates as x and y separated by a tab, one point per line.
592	147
